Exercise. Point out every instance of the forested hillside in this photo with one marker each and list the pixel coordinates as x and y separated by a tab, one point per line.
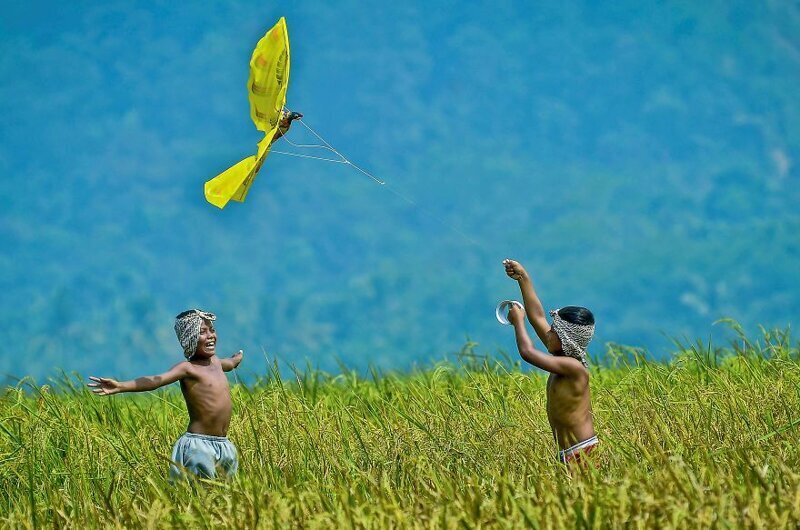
640	159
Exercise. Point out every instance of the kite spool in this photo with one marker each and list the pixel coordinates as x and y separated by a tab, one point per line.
502	311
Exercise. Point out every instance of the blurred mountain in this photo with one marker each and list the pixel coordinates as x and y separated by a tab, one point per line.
640	158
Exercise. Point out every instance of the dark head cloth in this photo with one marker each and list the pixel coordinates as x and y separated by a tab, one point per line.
574	337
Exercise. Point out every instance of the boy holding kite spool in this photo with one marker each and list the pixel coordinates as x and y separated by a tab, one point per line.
569	405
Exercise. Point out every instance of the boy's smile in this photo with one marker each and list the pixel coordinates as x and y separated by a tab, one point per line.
207	341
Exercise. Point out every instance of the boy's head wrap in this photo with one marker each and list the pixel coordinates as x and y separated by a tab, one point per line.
574	337
187	328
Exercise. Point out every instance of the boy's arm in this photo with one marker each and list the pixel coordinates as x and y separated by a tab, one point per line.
533	307
105	386
231	362
560	365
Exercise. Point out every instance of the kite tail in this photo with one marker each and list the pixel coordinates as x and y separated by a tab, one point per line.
235	182
224	186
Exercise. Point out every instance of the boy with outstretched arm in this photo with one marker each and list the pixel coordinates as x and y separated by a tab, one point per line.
569	406
204	449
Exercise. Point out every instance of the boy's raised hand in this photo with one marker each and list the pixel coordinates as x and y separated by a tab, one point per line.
237	358
232	362
514	269
104	386
516	315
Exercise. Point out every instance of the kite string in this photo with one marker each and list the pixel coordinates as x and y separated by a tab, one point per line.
341	160
433	216
307	146
327	146
307	156
344	158
392	189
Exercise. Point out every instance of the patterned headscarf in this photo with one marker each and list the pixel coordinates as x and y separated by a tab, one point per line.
187	328
574	337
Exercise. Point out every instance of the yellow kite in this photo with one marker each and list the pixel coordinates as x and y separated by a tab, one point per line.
269	78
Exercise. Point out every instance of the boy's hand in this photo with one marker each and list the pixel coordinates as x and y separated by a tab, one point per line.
515	270
229	363
516	315
104	386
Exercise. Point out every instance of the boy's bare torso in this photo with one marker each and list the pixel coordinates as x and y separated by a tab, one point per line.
208	398
569	409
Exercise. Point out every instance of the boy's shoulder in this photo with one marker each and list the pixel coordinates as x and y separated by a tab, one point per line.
185	368
576	374
198	366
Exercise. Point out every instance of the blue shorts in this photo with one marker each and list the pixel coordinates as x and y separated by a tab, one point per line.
203	455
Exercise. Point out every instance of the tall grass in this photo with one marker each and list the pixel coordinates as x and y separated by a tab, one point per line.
707	440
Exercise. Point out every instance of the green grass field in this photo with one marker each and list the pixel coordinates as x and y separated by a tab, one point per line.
708	440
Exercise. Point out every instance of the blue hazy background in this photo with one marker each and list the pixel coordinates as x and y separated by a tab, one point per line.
639	157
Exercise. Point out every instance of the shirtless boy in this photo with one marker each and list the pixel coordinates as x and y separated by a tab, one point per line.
569	406
204	449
